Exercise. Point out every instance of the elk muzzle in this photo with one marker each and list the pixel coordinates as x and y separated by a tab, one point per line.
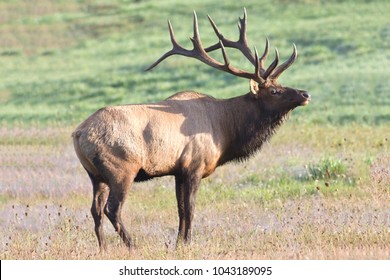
306	98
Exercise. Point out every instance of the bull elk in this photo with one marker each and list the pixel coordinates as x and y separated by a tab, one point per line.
187	136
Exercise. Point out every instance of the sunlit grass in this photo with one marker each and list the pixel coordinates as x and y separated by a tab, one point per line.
267	207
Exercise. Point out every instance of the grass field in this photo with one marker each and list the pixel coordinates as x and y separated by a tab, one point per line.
318	190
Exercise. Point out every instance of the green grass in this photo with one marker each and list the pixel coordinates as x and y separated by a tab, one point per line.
61	61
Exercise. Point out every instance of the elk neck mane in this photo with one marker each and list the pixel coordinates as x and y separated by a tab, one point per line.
251	125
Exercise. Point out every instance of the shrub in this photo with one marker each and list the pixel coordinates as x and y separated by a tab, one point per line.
327	169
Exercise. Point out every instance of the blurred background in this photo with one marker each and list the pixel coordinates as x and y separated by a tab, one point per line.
62	60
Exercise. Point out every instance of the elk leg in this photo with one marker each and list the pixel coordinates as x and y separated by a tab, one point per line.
180	207
113	211
189	189
100	195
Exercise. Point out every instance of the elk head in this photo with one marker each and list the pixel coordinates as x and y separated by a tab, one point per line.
263	82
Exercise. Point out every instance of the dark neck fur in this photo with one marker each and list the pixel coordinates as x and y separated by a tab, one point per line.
250	127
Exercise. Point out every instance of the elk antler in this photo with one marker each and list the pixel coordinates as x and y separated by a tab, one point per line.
260	75
199	53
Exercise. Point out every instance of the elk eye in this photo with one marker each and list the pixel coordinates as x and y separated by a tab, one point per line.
273	91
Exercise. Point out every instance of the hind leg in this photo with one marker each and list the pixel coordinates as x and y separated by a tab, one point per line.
187	185
113	209
100	195
181	209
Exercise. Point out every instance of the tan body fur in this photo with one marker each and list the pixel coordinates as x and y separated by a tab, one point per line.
159	138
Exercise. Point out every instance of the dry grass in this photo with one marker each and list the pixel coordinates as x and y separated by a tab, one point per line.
262	209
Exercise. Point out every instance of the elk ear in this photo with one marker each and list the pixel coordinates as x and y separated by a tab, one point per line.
254	87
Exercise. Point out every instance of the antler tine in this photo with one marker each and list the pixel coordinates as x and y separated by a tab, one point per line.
265	55
198	51
281	68
225	56
257	64
217	32
273	65
172	35
176	49
196	39
216	46
242	28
